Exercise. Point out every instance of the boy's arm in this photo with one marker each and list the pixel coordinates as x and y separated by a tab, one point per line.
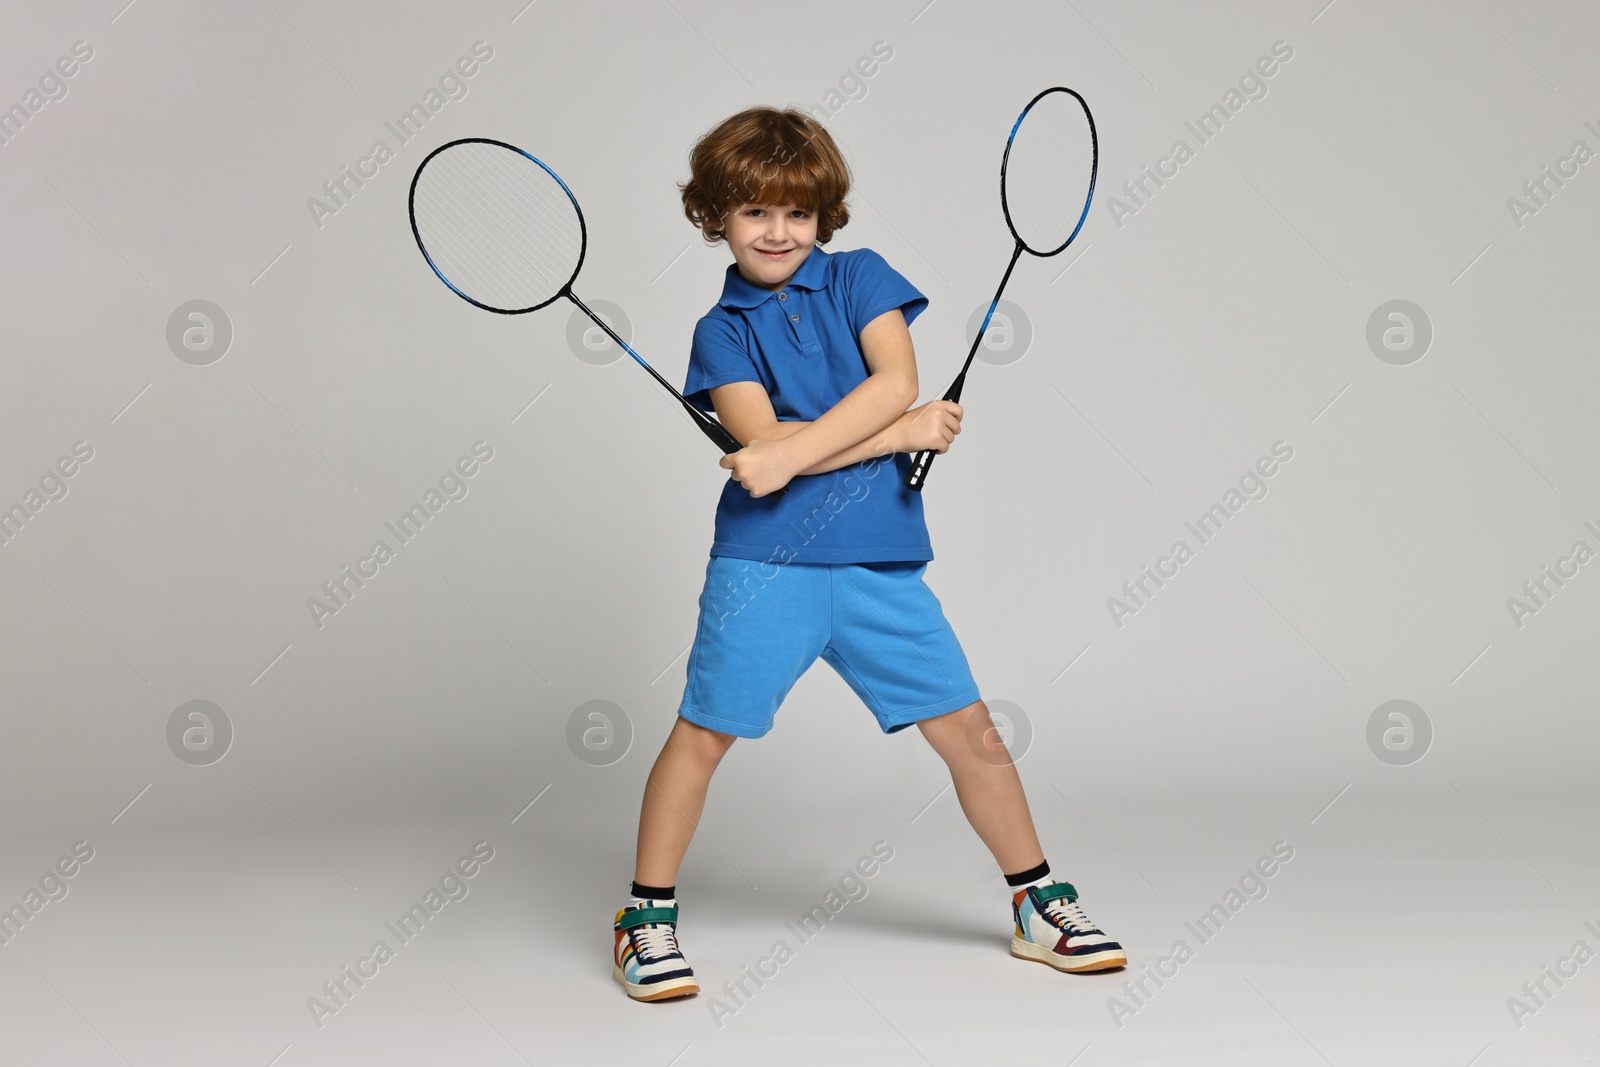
858	427
871	407
932	426
740	399
885	442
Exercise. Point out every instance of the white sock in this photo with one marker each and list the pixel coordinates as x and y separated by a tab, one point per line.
1046	880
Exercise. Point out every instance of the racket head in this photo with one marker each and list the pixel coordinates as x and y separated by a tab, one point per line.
497	225
1048	172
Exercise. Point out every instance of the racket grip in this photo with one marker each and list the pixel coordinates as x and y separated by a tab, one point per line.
919	469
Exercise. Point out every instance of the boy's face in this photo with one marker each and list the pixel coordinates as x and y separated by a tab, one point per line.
770	241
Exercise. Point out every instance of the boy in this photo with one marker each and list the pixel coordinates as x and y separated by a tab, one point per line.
807	360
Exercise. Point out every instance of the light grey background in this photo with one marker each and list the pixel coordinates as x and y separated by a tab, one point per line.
1228	312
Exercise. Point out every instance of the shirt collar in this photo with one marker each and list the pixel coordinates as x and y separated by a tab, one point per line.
738	293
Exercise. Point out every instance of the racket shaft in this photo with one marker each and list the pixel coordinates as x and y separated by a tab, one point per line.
710	427
924	460
713	429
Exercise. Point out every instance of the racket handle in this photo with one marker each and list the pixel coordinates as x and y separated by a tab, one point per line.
924	460
919	469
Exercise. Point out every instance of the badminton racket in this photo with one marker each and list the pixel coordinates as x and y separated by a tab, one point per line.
504	232
1046	183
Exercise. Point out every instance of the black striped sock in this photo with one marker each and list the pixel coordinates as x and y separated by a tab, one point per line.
1029	876
653	892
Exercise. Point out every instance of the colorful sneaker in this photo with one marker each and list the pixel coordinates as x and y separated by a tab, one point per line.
645	955
1052	928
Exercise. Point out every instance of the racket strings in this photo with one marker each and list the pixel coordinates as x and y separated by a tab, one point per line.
503	234
1050	169
474	256
497	226
510	222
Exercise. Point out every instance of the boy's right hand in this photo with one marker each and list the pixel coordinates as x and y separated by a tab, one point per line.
933	426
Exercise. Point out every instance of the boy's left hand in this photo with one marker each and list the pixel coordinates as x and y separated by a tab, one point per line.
762	467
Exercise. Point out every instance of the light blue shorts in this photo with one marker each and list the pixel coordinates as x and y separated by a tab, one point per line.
762	625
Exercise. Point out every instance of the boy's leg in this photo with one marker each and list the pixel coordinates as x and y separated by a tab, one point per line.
757	634
674	796
1051	927
987	784
893	645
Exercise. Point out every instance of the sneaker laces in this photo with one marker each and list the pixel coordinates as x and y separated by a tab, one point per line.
1070	916
656	940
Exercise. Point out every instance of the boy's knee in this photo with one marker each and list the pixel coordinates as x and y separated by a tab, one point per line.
706	741
954	727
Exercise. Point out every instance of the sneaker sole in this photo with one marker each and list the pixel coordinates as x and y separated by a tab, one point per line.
1092	961
676	987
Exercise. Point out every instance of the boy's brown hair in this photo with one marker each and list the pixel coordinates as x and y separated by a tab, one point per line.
766	156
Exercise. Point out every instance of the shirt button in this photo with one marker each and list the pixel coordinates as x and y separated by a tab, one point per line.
794	318
783	296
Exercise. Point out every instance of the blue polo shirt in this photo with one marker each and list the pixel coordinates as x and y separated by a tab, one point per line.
803	345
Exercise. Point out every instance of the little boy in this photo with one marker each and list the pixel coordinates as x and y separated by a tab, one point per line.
807	360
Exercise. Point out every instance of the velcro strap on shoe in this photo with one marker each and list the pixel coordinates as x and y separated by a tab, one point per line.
1045	893
648	915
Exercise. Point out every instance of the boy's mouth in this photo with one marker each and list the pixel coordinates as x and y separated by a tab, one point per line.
774	255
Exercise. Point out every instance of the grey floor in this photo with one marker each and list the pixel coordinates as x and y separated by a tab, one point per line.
1396	934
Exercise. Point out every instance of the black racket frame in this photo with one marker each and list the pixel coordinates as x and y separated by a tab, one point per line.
709	426
919	467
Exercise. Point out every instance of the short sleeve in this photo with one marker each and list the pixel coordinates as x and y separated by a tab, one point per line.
875	287
717	356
